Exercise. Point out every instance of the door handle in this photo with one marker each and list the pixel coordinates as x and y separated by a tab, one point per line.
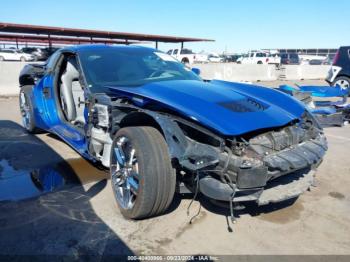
46	92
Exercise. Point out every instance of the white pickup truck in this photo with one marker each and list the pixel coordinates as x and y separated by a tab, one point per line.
254	58
186	56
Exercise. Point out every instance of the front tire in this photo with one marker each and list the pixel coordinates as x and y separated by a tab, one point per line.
143	179
23	59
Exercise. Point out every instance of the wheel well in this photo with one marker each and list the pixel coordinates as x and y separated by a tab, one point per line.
140	119
185	60
342	75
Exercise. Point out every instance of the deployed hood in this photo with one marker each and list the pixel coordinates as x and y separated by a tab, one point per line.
226	107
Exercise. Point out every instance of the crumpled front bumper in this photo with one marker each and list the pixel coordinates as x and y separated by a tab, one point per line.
287	174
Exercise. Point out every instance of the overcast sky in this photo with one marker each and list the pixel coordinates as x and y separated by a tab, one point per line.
235	25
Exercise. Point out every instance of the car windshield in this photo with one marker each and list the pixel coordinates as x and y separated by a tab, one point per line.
130	67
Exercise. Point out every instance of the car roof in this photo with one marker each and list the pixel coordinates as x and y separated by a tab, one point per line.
79	48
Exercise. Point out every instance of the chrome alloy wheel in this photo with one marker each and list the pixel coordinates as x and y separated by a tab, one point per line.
25	110
124	173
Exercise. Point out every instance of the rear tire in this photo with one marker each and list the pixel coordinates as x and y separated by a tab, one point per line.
148	172
27	113
23	59
342	81
259	62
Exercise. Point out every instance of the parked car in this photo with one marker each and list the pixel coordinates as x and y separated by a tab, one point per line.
239	59
231	58
290	59
254	58
316	62
14	55
327	61
37	53
274	59
214	58
50	50
339	73
307	58
200	58
158	126
185	56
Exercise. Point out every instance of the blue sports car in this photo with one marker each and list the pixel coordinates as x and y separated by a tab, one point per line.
160	128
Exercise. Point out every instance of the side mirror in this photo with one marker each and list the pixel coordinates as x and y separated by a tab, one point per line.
196	70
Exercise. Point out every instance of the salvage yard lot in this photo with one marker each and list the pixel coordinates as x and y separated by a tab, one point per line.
84	220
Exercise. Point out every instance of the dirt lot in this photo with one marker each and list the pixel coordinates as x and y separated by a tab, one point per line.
82	219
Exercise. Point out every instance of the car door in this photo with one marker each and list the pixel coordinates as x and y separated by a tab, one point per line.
52	114
10	55
15	56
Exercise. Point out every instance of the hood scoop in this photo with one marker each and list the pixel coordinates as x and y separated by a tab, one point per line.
245	105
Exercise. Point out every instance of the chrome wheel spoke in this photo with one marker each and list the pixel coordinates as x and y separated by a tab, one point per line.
135	175
124	172
134	187
132	157
120	157
127	197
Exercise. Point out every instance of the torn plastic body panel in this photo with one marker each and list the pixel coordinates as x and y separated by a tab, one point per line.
328	113
318	91
238	168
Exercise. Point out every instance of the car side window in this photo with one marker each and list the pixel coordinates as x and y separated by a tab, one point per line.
185	51
175	51
169	52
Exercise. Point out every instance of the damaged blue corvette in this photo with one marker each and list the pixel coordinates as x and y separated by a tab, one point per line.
160	128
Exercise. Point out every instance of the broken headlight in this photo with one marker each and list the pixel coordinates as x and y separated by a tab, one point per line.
102	114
